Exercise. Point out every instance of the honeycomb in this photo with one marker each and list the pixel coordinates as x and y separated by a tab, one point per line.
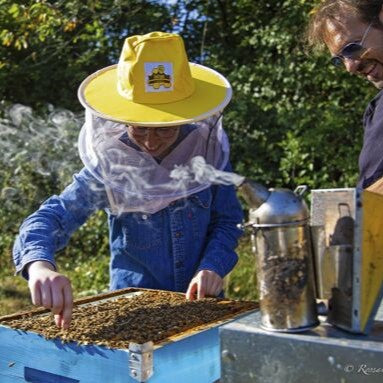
147	315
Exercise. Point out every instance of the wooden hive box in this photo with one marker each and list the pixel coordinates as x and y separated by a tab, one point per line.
124	336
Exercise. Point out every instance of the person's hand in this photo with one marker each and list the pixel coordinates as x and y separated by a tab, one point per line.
205	283
51	290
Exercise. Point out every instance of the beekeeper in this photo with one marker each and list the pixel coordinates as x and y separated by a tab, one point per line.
156	160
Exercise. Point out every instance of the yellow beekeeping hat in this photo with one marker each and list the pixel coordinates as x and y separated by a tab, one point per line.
153	84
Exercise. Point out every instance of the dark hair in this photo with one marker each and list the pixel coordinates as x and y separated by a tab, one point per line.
333	10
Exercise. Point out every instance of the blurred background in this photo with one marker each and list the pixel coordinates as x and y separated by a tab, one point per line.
293	119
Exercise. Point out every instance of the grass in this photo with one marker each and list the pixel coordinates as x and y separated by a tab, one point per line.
90	277
14	295
241	283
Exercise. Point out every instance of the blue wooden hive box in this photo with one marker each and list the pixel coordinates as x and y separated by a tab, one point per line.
189	356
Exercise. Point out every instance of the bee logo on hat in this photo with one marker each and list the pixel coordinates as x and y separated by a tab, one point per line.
159	77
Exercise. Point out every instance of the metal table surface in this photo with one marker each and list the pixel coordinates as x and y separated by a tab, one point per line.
323	354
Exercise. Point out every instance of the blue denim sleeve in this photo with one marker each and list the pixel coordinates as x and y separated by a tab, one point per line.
223	232
50	227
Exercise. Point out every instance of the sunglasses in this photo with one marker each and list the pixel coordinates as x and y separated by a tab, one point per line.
166	132
350	51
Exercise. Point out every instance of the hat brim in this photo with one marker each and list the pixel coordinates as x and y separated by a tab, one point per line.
212	93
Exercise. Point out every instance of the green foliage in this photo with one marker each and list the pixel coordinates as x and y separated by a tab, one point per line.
47	48
86	259
241	283
293	119
39	157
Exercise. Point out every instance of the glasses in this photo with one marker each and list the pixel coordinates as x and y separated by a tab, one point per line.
164	132
350	51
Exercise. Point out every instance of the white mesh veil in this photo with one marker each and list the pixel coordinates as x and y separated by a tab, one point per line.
135	181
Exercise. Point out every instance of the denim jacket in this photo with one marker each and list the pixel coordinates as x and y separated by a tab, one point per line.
161	251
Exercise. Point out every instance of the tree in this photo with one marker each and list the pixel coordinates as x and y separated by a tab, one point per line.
48	47
293	118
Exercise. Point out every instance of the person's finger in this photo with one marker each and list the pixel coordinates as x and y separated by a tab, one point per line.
211	284
57	299
218	287
58	320
191	291
68	306
201	289
35	289
46	295
212	287
214	284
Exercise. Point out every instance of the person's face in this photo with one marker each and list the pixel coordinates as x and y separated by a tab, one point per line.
369	64
155	141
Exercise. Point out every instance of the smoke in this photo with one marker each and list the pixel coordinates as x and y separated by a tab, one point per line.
46	145
134	192
137	182
44	141
201	172
36	145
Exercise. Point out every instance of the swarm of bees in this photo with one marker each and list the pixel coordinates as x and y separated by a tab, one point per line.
148	316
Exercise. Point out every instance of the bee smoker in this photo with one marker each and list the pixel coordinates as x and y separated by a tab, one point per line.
280	234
